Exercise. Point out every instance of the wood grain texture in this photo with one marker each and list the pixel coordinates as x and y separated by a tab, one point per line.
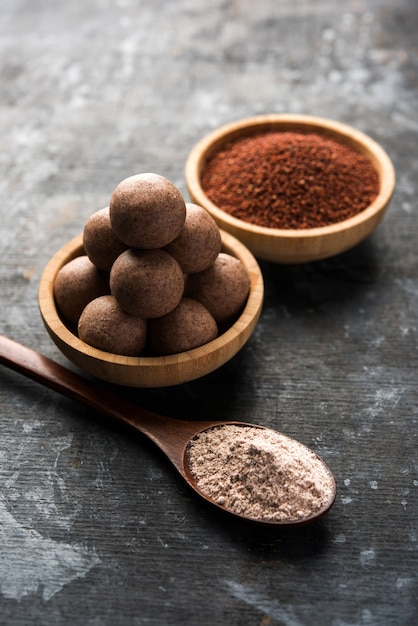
94	527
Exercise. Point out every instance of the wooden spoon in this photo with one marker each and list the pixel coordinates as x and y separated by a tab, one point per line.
172	436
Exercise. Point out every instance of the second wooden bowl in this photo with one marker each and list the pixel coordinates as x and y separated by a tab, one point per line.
294	246
151	371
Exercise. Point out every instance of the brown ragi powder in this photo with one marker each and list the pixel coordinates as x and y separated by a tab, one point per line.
259	473
290	180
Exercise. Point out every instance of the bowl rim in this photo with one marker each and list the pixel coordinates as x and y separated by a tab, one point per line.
63	336
304	123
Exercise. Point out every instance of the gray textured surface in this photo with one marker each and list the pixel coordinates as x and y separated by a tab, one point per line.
94	527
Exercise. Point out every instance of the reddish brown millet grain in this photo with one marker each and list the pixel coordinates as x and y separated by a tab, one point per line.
290	180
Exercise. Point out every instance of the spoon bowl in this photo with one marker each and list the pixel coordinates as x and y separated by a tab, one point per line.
174	437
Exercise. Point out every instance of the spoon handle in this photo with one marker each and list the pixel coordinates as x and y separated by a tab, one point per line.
171	435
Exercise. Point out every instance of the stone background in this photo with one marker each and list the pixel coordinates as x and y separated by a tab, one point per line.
95	527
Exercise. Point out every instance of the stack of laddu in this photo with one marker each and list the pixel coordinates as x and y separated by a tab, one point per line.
153	279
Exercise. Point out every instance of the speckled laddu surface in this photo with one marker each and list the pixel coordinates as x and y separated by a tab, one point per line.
95	528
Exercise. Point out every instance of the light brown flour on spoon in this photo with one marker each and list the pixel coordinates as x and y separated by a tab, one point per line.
259	473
